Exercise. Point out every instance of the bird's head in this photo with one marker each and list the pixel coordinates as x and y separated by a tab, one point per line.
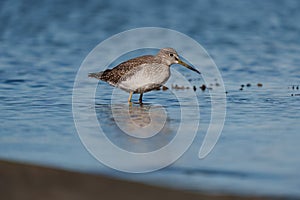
170	56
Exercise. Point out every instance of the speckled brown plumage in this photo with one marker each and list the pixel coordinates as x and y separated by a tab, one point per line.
123	70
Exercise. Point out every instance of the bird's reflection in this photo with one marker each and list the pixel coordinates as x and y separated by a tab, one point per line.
136	128
141	121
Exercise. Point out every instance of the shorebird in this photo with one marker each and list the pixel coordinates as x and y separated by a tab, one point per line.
142	74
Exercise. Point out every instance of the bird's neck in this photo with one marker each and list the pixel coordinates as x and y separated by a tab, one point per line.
165	61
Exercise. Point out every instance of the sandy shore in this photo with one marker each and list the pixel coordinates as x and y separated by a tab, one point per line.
24	181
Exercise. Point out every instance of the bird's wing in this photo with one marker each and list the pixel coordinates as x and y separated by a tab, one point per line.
123	70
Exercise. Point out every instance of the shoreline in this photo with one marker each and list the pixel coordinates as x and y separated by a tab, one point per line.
28	181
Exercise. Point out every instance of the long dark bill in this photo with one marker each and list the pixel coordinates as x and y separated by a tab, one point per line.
187	66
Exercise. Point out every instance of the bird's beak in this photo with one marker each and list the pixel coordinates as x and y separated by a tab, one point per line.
187	66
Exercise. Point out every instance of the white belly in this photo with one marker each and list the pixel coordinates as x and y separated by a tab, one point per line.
146	77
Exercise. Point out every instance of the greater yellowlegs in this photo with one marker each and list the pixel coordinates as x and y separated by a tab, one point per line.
142	74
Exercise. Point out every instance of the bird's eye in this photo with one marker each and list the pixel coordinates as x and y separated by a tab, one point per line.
171	54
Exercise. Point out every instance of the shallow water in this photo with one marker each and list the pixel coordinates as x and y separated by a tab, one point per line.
42	45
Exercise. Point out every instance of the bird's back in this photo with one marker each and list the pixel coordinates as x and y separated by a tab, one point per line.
123	70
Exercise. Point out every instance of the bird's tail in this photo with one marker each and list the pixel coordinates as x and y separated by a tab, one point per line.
96	75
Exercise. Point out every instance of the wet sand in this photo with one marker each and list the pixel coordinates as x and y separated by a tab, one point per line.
25	181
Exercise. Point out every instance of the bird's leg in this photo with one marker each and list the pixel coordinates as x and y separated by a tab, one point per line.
141	98
130	96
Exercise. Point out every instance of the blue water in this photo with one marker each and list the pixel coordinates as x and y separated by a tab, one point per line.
42	45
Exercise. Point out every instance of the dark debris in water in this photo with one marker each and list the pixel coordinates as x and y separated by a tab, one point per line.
249	85
298	94
164	88
203	87
259	84
294	87
177	87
